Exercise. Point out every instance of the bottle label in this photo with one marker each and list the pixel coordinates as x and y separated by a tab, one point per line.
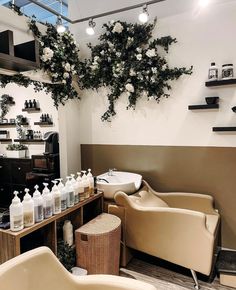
48	211
76	197
71	199
63	204
38	213
28	218
57	204
18	222
86	190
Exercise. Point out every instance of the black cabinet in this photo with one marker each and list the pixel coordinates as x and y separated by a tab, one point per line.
19	168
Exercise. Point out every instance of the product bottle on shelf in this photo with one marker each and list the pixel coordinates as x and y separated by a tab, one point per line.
34	104
47	202
68	233
38	205
70	192
63	192
213	72
28	209
91	182
16	214
26	104
30	104
80	185
56	194
75	187
85	184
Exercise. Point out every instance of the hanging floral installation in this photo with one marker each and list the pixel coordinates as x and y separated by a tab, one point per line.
127	61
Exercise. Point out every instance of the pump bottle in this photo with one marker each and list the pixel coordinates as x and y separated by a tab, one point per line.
70	192
91	182
63	192
28	209
85	184
80	187
56	195
75	187
47	202
38	205
16	214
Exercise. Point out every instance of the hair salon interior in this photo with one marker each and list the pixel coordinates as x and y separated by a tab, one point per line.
117	144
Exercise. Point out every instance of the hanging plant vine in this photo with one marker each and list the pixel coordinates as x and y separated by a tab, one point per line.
5	102
127	61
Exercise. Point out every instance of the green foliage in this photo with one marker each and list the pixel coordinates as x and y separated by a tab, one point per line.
66	255
16	147
127	61
5	102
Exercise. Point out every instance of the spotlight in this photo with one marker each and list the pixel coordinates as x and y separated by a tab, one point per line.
203	3
90	28
143	16
60	27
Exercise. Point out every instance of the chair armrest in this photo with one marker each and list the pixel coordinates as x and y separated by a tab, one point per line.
192	201
110	282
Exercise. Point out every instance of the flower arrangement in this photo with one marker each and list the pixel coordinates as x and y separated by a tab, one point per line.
16	147
5	103
127	61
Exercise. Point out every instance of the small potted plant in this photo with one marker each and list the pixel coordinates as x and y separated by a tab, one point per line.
16	150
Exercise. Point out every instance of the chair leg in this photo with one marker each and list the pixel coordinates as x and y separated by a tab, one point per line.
196	286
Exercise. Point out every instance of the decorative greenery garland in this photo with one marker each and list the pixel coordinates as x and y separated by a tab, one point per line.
5	102
127	61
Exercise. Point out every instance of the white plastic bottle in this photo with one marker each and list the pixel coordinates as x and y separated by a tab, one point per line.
56	195
16	214
38	205
85	184
47	201
80	187
91	182
68	233
28	209
75	187
70	192
63	192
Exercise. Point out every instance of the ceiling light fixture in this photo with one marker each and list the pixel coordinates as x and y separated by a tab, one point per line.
144	16
203	3
90	29
59	25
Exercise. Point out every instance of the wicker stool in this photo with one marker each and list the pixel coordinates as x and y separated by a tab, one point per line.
98	245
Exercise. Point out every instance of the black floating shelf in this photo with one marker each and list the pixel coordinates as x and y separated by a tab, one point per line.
31	110
29	140
12	124
202	107
220	83
43	123
5	140
223	129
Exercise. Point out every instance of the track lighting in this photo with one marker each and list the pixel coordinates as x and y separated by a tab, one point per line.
143	16
90	28
60	27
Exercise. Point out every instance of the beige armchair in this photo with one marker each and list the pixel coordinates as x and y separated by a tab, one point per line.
39	269
178	227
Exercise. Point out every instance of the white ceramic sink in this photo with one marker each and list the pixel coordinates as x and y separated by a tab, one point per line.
119	180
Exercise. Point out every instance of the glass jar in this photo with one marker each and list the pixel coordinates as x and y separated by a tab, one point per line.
227	71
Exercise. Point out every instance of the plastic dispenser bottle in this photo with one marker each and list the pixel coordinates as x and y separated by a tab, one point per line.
75	187
28	209
80	187
68	233
63	192
91	182
70	192
38	205
47	201
86	184
16	214
56	195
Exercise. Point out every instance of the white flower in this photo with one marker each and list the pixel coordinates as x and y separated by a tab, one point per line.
139	56
154	70
66	75
151	52
102	52
132	72
118	28
47	54
118	54
64	81
139	49
67	66
129	87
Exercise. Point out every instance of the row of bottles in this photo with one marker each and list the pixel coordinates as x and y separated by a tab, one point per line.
42	206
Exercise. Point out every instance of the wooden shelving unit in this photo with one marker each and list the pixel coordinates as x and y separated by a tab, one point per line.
43	123
203	107
224	129
29	140
220	83
12	124
31	110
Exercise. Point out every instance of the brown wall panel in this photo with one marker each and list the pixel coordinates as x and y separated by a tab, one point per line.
210	170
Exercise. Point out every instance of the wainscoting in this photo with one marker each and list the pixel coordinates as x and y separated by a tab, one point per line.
209	170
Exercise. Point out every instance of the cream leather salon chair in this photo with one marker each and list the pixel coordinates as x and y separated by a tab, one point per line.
178	227
39	269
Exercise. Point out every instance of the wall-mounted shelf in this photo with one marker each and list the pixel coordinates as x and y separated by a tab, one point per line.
29	140
30	110
43	123
224	129
202	107
220	83
2	140
12	124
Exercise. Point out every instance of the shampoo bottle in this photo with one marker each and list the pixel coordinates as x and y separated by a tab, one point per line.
75	187
91	182
38	205
16	214
56	196
28	209
80	187
70	192
63	192
86	184
47	201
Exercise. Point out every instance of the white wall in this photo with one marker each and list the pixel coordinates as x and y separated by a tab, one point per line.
203	36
